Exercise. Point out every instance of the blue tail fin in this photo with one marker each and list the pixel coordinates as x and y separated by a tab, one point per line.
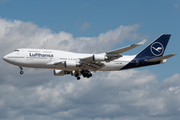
156	48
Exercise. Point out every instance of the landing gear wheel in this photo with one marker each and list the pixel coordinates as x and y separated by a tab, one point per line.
86	73
21	72
78	78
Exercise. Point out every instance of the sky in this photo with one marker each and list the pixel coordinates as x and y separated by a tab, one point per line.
91	26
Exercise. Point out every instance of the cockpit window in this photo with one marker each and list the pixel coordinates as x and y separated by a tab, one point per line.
16	50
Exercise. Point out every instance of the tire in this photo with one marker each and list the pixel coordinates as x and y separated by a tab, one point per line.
21	72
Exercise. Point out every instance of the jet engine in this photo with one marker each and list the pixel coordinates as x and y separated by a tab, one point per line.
99	57
61	72
71	64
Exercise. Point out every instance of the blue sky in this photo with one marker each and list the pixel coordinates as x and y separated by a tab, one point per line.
155	17
47	23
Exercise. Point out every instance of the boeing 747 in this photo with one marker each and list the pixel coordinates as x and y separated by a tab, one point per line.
77	64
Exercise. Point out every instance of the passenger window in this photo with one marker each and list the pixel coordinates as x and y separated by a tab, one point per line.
16	50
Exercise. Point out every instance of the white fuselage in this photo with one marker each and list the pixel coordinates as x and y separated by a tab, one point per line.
78	64
42	58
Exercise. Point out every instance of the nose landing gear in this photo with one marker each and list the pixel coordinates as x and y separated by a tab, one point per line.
21	70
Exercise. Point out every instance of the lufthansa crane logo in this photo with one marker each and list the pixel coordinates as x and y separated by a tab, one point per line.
157	49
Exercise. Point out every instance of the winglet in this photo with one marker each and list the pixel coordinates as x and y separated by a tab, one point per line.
142	42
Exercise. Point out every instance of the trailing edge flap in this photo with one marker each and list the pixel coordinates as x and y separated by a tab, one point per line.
160	58
121	50
88	63
94	66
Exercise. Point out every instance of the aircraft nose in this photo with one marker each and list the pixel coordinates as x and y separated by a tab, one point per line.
5	58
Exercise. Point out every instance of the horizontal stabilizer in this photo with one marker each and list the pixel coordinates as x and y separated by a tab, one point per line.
160	58
121	50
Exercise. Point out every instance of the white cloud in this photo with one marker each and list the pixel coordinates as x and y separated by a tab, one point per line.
130	94
18	34
108	97
85	26
169	82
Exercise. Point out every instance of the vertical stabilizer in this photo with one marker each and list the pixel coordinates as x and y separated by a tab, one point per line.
156	48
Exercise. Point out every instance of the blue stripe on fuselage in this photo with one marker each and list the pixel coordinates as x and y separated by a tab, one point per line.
139	62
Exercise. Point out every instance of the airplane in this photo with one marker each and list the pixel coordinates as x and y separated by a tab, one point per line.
77	64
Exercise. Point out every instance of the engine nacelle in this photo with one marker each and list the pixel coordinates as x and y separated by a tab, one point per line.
99	57
71	64
61	72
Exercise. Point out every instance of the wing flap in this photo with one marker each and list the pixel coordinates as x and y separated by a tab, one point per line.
160	58
94	66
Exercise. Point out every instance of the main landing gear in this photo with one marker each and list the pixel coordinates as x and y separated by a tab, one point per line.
77	76
21	70
84	73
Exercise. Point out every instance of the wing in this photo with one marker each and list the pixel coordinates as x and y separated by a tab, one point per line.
121	50
115	54
95	62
